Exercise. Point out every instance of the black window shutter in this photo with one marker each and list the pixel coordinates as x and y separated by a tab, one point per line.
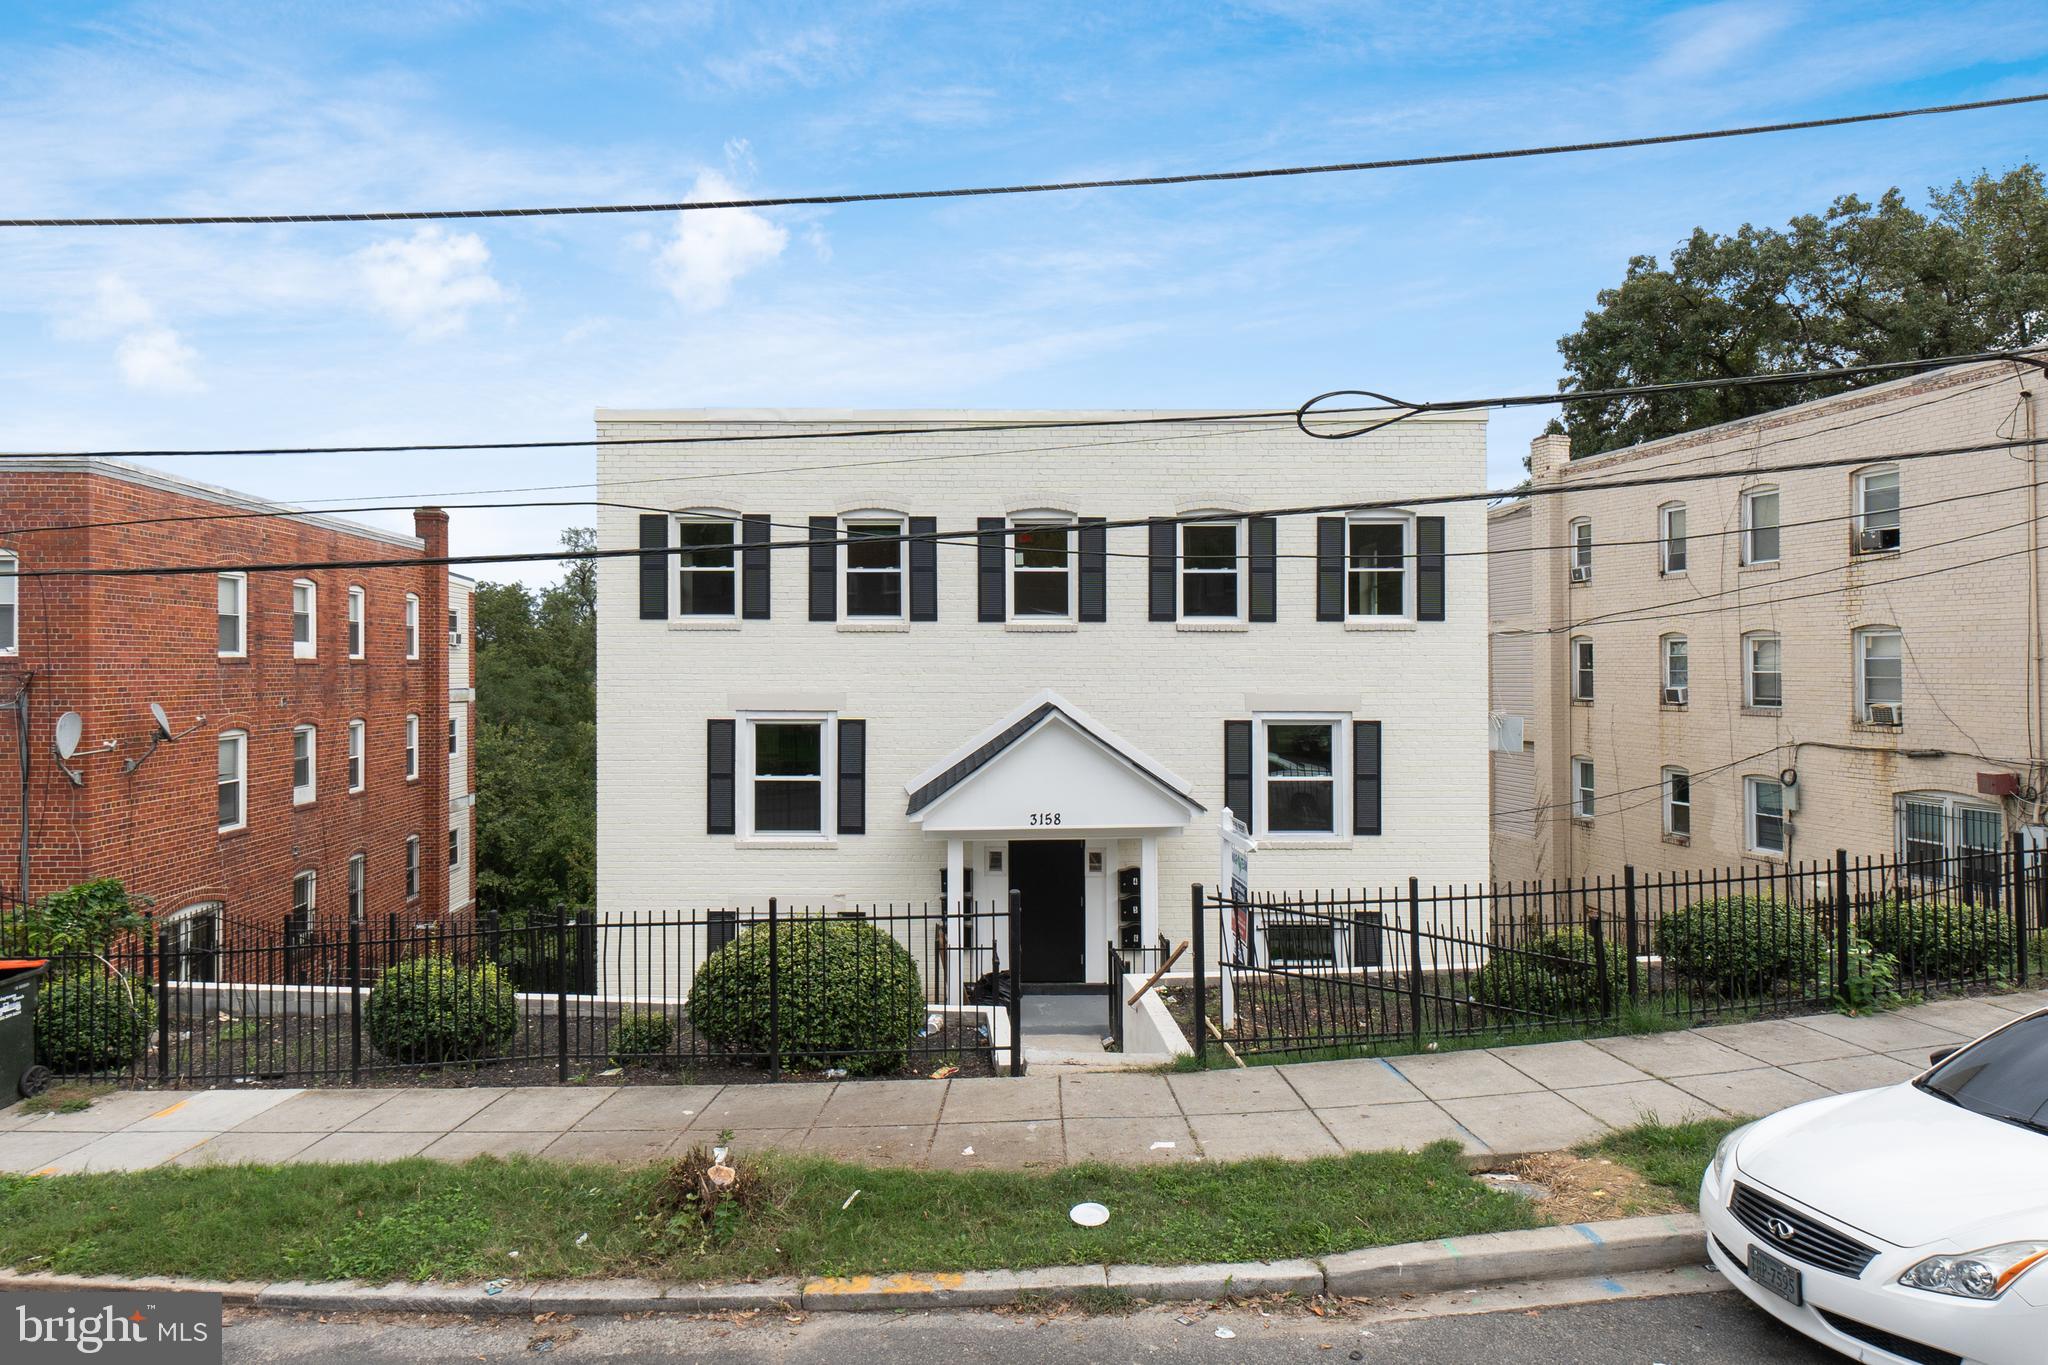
1160	575
924	569
1265	557
719	758
824	568
1429	568
654	568
1329	568
989	569
1094	539
853	777
754	567
1237	769
1365	777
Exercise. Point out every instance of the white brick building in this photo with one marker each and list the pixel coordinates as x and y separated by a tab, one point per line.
1037	701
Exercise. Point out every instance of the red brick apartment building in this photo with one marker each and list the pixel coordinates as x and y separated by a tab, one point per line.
312	761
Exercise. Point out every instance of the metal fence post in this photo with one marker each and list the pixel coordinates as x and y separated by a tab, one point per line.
1201	963
774	993
1629	942
1016	982
2019	908
562	994
1842	914
355	1000
163	1003
1603	981
1415	959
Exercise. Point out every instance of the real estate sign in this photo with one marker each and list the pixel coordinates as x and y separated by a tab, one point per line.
1234	881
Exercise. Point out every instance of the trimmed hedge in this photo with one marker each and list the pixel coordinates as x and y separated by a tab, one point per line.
91	1021
435	1009
641	1036
1937	938
1555	973
1740	946
850	995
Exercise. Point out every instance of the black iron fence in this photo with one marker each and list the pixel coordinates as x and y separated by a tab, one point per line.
211	999
1312	971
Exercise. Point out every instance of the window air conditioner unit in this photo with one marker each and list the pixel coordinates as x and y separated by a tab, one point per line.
454	639
1675	696
1886	713
1582	573
1872	539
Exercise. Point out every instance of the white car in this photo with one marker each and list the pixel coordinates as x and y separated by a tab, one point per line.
1903	1224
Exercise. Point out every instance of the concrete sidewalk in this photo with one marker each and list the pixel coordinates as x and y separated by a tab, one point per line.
1502	1102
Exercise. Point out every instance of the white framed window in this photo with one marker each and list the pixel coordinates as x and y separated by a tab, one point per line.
454	628
305	900
1760	526
1582	550
1041	568
305	619
231	611
412	867
1377	584
1678	803
1880	675
1950	839
872	559
355	755
1671	543
1582	788
355	622
305	764
1763	671
357	888
10	603
1877	510
1211	580
412	748
1303	775
1582	668
707	568
232	783
1677	660
454	847
454	732
412	626
192	943
1763	815
785	762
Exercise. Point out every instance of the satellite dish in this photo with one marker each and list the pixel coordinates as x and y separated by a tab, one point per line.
163	722
70	729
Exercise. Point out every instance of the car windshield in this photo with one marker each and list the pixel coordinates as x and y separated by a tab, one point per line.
2003	1077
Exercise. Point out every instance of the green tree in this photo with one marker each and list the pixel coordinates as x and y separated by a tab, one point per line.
1859	283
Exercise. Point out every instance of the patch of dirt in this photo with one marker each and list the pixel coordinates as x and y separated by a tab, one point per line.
1586	1189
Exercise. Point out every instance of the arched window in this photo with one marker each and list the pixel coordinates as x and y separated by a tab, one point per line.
192	943
1671	544
1877	510
1676	655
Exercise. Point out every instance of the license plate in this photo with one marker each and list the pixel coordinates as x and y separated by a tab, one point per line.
1774	1275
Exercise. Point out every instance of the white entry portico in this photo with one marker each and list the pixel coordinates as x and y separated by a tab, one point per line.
1044	785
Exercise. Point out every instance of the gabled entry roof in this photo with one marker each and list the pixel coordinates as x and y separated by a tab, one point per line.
1088	756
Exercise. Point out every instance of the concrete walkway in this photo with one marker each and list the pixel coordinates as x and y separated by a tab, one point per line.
1507	1101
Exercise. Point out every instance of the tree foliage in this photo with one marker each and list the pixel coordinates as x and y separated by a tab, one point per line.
1860	283
536	740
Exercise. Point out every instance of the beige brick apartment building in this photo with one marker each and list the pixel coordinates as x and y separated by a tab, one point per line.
1773	663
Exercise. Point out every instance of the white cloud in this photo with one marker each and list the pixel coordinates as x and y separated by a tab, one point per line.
1702	41
428	283
149	355
712	248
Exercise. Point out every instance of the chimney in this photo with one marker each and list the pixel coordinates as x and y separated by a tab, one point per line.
1548	456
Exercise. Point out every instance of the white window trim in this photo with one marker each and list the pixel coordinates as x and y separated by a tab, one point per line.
873	518
1590	675
10	595
731	522
1240	566
1748	554
1952	806
1664	643
1408	563
241	614
454	733
413	876
308	648
1749	648
310	792
1580	554
1340	776
311	877
1859	677
828	779
1585	797
1664	540
412	626
412	748
1671	804
1859	494
356	887
241	741
454	847
178	940
1029	521
358	756
1750	786
358	623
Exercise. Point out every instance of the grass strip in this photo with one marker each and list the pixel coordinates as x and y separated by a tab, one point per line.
1672	1156
524	1218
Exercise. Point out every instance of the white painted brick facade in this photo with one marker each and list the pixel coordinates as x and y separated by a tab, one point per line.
927	688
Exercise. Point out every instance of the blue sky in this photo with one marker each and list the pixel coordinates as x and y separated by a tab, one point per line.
1433	283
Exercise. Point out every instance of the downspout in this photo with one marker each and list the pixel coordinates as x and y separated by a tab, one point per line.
21	728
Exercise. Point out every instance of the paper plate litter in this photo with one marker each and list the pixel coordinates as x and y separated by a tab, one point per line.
1089	1215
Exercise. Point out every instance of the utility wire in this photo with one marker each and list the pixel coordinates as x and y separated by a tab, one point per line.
1047	187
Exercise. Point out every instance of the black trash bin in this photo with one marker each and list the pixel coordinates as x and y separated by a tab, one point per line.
20	1077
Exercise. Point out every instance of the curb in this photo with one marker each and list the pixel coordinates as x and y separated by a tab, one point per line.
1658	1242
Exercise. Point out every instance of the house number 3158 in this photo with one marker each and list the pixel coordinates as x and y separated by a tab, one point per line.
1045	817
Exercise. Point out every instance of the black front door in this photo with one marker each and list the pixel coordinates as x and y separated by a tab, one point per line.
1048	879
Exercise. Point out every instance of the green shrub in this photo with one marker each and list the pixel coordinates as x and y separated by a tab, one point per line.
1937	938
850	995
1553	973
641	1035
531	955
1872	982
435	1009
91	1020
1739	946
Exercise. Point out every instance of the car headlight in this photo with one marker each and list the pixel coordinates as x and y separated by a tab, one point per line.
1727	1150
1976	1274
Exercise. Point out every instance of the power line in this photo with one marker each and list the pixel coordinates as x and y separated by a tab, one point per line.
1046	187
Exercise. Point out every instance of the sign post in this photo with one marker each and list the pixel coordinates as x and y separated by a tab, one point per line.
1234	887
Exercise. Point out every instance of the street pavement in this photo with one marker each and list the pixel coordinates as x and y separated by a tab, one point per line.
1504	1102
